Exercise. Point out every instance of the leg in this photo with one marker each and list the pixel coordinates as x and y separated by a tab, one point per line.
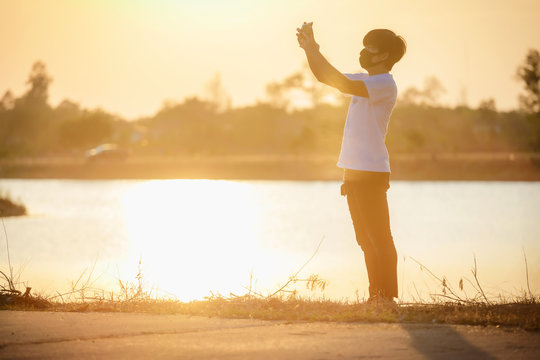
363	238
369	211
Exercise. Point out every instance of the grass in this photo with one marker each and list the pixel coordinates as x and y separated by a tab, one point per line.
519	312
447	307
522	312
285	304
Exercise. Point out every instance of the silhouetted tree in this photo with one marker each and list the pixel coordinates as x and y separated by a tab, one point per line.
429	95
30	118
8	101
301	90
279	91
487	105
91	128
529	72
529	102
298	119
187	127
67	110
217	94
39	81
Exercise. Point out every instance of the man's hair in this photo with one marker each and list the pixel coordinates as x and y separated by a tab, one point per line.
387	41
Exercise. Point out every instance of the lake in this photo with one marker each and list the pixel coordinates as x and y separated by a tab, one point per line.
194	237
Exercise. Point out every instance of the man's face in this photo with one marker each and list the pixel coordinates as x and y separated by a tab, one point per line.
370	56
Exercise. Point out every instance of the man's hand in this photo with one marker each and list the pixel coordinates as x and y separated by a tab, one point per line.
322	69
306	39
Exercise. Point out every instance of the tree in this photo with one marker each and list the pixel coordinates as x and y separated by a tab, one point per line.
217	94
529	72
91	128
279	92
8	101
429	95
67	110
39	81
301	90
487	105
30	118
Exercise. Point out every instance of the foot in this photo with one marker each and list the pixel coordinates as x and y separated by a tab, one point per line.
379	300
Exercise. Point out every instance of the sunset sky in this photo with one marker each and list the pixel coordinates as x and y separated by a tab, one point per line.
128	56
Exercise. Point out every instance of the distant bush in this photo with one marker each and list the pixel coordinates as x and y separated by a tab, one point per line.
29	126
9	207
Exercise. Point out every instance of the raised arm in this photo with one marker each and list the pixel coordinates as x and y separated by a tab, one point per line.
323	70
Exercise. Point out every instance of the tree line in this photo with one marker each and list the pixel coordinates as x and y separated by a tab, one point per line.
299	116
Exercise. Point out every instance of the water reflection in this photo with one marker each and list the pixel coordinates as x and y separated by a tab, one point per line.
194	236
197	236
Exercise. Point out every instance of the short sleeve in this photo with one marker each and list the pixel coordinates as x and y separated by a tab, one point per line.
380	88
358	76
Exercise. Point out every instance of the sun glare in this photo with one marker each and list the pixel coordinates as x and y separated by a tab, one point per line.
192	236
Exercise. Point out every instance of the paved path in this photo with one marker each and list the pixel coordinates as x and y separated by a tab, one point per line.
49	335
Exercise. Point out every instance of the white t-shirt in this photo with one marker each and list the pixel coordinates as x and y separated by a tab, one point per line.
363	146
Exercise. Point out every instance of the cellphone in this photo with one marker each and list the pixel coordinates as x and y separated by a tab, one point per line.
305	26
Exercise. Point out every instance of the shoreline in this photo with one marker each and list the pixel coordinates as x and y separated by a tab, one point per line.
434	167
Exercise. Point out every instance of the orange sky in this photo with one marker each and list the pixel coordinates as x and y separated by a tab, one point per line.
127	56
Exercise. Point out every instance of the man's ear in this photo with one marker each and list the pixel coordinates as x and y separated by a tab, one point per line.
381	57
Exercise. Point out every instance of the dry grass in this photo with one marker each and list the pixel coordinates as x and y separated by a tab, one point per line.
284	303
522	313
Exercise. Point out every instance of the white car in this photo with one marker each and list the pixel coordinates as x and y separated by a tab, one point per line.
107	152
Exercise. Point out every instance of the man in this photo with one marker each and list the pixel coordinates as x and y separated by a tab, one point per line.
364	156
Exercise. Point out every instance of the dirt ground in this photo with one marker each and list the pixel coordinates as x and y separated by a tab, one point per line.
62	335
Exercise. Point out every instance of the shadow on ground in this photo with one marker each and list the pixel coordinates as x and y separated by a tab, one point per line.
424	340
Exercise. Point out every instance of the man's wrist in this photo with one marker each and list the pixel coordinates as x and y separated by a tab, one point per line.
312	49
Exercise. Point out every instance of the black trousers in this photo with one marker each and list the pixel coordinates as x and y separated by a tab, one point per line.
368	205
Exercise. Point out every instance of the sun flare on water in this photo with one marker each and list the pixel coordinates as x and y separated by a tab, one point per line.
192	236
